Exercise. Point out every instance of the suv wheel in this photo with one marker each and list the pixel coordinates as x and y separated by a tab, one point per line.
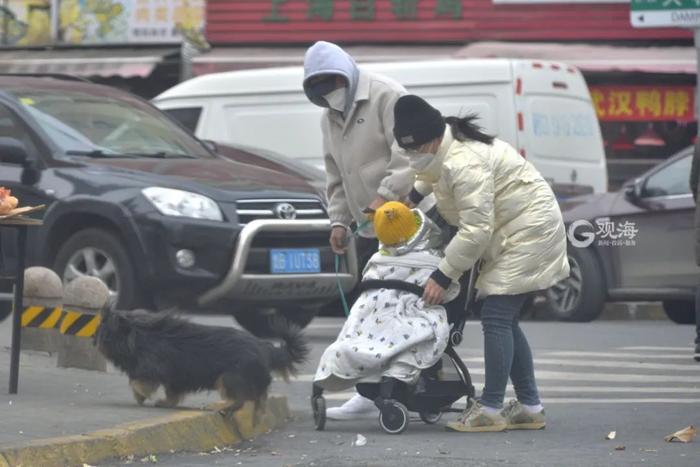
680	312
581	296
99	253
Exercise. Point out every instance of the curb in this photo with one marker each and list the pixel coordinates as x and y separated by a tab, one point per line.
181	431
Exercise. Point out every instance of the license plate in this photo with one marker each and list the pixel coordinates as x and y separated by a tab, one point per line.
295	261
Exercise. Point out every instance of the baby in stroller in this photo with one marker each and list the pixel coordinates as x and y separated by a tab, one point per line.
392	340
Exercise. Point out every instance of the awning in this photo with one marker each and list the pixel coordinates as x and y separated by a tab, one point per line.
591	57
103	62
586	57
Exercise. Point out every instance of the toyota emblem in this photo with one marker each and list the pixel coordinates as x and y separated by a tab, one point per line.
285	211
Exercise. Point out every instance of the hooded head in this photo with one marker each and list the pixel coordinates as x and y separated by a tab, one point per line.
325	59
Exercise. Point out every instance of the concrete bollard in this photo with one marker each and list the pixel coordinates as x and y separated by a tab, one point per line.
43	298
83	299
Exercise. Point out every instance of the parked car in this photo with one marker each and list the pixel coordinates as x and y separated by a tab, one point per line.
632	245
136	200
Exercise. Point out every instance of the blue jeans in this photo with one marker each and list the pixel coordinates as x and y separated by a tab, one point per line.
506	352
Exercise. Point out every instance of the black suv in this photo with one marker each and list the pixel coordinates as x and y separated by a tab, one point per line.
136	200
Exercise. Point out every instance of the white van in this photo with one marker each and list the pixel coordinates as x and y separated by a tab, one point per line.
543	109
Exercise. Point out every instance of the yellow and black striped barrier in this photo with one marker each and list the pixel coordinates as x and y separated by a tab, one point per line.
76	323
41	317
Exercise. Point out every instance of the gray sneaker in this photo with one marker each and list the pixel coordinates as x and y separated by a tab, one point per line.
475	419
519	418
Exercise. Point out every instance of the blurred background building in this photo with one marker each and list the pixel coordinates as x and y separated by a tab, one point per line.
642	80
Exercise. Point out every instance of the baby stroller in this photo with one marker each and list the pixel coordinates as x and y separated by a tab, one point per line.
430	396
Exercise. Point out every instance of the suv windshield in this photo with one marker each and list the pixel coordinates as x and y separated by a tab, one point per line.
105	126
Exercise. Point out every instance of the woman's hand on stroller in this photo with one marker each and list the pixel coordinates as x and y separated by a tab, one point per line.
433	293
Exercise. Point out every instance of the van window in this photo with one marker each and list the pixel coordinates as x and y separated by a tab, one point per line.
670	180
187	116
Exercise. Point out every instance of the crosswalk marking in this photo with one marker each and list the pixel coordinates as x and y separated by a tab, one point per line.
579	376
577	353
585	400
649	347
624	375
691	366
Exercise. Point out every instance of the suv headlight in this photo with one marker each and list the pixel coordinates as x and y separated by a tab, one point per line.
171	202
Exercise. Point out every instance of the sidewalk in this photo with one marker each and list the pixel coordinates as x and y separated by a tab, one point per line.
57	402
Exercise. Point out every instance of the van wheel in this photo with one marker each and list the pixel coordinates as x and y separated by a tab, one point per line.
99	253
680	312
581	296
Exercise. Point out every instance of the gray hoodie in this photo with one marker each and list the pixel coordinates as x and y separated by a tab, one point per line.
325	58
357	146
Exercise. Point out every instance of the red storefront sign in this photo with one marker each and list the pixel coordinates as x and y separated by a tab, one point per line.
419	21
644	103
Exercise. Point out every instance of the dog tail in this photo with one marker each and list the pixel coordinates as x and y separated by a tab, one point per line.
294	349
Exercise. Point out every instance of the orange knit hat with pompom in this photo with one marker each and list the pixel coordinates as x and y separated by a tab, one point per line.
395	223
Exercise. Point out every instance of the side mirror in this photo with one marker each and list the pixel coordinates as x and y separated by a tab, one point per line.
12	151
633	191
211	145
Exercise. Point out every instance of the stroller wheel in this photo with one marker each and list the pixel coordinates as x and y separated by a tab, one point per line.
393	418
430	417
318	406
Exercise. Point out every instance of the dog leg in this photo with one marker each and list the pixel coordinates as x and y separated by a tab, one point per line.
259	408
232	403
172	399
142	389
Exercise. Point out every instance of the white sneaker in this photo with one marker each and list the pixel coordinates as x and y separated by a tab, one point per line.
356	408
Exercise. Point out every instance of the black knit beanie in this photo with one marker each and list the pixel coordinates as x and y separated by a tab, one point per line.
416	122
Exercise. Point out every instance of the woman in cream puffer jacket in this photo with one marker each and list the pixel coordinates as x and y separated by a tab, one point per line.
507	216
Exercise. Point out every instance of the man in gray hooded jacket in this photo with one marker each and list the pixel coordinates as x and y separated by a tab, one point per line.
362	171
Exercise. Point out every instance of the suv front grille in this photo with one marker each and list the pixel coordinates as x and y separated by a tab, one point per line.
251	209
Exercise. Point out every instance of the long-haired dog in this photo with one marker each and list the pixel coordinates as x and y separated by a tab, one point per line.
156	349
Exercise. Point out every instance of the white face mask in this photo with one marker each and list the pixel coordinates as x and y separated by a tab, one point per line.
420	161
336	99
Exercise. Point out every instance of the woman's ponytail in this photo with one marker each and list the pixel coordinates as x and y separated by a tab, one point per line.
464	129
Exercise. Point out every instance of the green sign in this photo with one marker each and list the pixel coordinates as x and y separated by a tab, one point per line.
365	10
665	13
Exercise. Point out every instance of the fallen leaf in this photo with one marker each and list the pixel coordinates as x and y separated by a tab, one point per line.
360	441
684	436
88	465
611	435
620	448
